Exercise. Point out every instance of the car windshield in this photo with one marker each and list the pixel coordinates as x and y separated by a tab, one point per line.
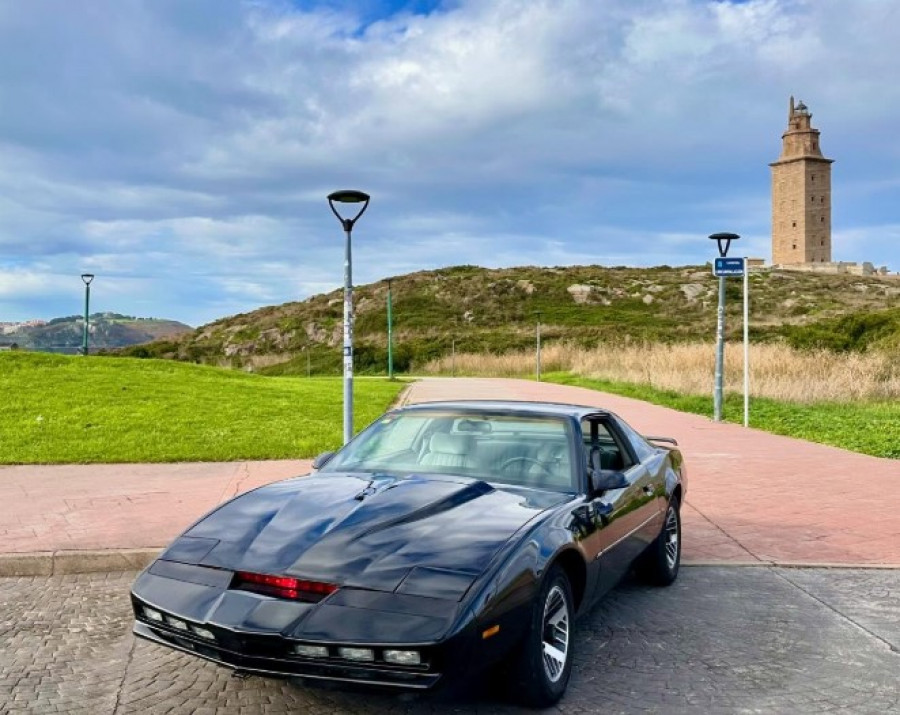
525	450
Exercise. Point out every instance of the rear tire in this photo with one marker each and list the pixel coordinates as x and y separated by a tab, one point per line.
659	564
541	674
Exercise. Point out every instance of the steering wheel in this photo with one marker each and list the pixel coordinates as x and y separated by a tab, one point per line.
527	460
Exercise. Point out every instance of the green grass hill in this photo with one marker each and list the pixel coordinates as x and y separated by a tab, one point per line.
72	409
495	310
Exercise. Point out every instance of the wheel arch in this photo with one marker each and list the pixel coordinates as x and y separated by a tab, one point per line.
572	564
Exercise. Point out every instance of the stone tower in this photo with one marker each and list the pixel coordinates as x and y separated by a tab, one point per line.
801	194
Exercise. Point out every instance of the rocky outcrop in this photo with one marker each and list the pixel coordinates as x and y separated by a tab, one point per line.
580	293
692	290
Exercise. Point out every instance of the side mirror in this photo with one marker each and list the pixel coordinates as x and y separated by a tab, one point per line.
322	460
605	479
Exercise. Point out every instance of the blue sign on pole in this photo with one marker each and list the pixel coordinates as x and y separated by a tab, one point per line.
728	267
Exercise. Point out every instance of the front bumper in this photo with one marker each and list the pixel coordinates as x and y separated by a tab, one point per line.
195	611
273	665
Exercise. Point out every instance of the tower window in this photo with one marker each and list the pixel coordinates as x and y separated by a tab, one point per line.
822	220
812	178
822	200
793	224
794	246
812	199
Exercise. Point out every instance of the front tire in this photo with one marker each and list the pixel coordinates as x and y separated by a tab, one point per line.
545	661
659	564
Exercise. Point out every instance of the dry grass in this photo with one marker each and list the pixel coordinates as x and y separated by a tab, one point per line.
776	371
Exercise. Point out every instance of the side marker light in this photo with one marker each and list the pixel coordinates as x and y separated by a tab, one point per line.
489	632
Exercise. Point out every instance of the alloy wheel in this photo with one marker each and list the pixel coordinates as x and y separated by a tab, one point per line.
671	538
555	638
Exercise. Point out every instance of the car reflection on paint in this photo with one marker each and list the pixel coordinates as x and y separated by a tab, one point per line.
444	539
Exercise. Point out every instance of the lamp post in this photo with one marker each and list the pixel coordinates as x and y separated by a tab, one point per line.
348	197
390	331
87	278
537	352
723	241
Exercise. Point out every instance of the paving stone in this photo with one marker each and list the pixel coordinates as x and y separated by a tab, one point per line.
720	640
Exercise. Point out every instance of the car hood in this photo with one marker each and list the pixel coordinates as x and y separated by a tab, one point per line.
375	532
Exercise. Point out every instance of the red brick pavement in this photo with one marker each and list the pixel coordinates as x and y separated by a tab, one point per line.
122	506
753	497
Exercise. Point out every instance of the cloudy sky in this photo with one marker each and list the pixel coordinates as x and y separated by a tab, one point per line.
182	151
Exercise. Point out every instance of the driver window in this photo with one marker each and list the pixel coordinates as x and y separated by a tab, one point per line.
597	434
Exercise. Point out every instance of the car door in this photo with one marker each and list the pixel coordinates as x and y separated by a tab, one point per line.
653	458
631	517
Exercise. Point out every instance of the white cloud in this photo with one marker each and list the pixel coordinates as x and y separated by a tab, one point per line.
183	150
26	283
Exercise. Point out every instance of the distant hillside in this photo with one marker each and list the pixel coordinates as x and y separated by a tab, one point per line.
107	330
484	310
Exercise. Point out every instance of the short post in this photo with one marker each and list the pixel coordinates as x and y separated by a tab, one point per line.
723	241
746	343
453	357
87	278
537	351
390	330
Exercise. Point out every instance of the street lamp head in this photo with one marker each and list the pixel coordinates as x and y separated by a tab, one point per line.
348	196
87	278
723	240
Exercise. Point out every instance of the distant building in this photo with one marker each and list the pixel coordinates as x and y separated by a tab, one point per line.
801	204
10	328
801	194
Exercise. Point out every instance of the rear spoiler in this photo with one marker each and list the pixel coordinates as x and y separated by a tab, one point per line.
667	440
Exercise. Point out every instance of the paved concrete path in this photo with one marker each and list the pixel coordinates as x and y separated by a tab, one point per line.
753	497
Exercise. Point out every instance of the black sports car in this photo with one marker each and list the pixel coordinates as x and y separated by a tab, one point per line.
443	539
